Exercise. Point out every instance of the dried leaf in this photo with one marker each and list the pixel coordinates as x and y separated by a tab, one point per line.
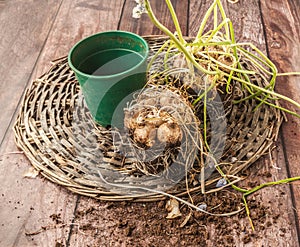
172	207
187	218
31	173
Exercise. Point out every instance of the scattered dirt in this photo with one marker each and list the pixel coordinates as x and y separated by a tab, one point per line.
98	223
145	224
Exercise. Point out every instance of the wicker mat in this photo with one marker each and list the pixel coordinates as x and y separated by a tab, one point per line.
59	137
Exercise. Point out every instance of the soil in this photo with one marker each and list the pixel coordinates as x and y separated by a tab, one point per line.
145	224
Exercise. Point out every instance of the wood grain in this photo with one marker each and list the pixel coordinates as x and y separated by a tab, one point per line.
27	204
76	20
36	202
144	26
245	17
2	4
25	26
281	19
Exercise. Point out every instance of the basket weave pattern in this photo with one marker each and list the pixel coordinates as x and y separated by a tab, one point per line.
52	125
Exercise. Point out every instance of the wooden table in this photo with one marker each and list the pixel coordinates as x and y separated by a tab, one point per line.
35	32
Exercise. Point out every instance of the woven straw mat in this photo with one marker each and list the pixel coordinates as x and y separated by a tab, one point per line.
52	125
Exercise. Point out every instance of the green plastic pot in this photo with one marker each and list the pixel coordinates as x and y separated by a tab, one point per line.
109	66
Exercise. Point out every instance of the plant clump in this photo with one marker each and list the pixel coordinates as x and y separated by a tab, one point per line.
151	126
210	63
161	130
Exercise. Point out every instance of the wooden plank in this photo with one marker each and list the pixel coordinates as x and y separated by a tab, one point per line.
281	19
246	28
144	26
42	209
24	28
28	204
2	4
76	20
